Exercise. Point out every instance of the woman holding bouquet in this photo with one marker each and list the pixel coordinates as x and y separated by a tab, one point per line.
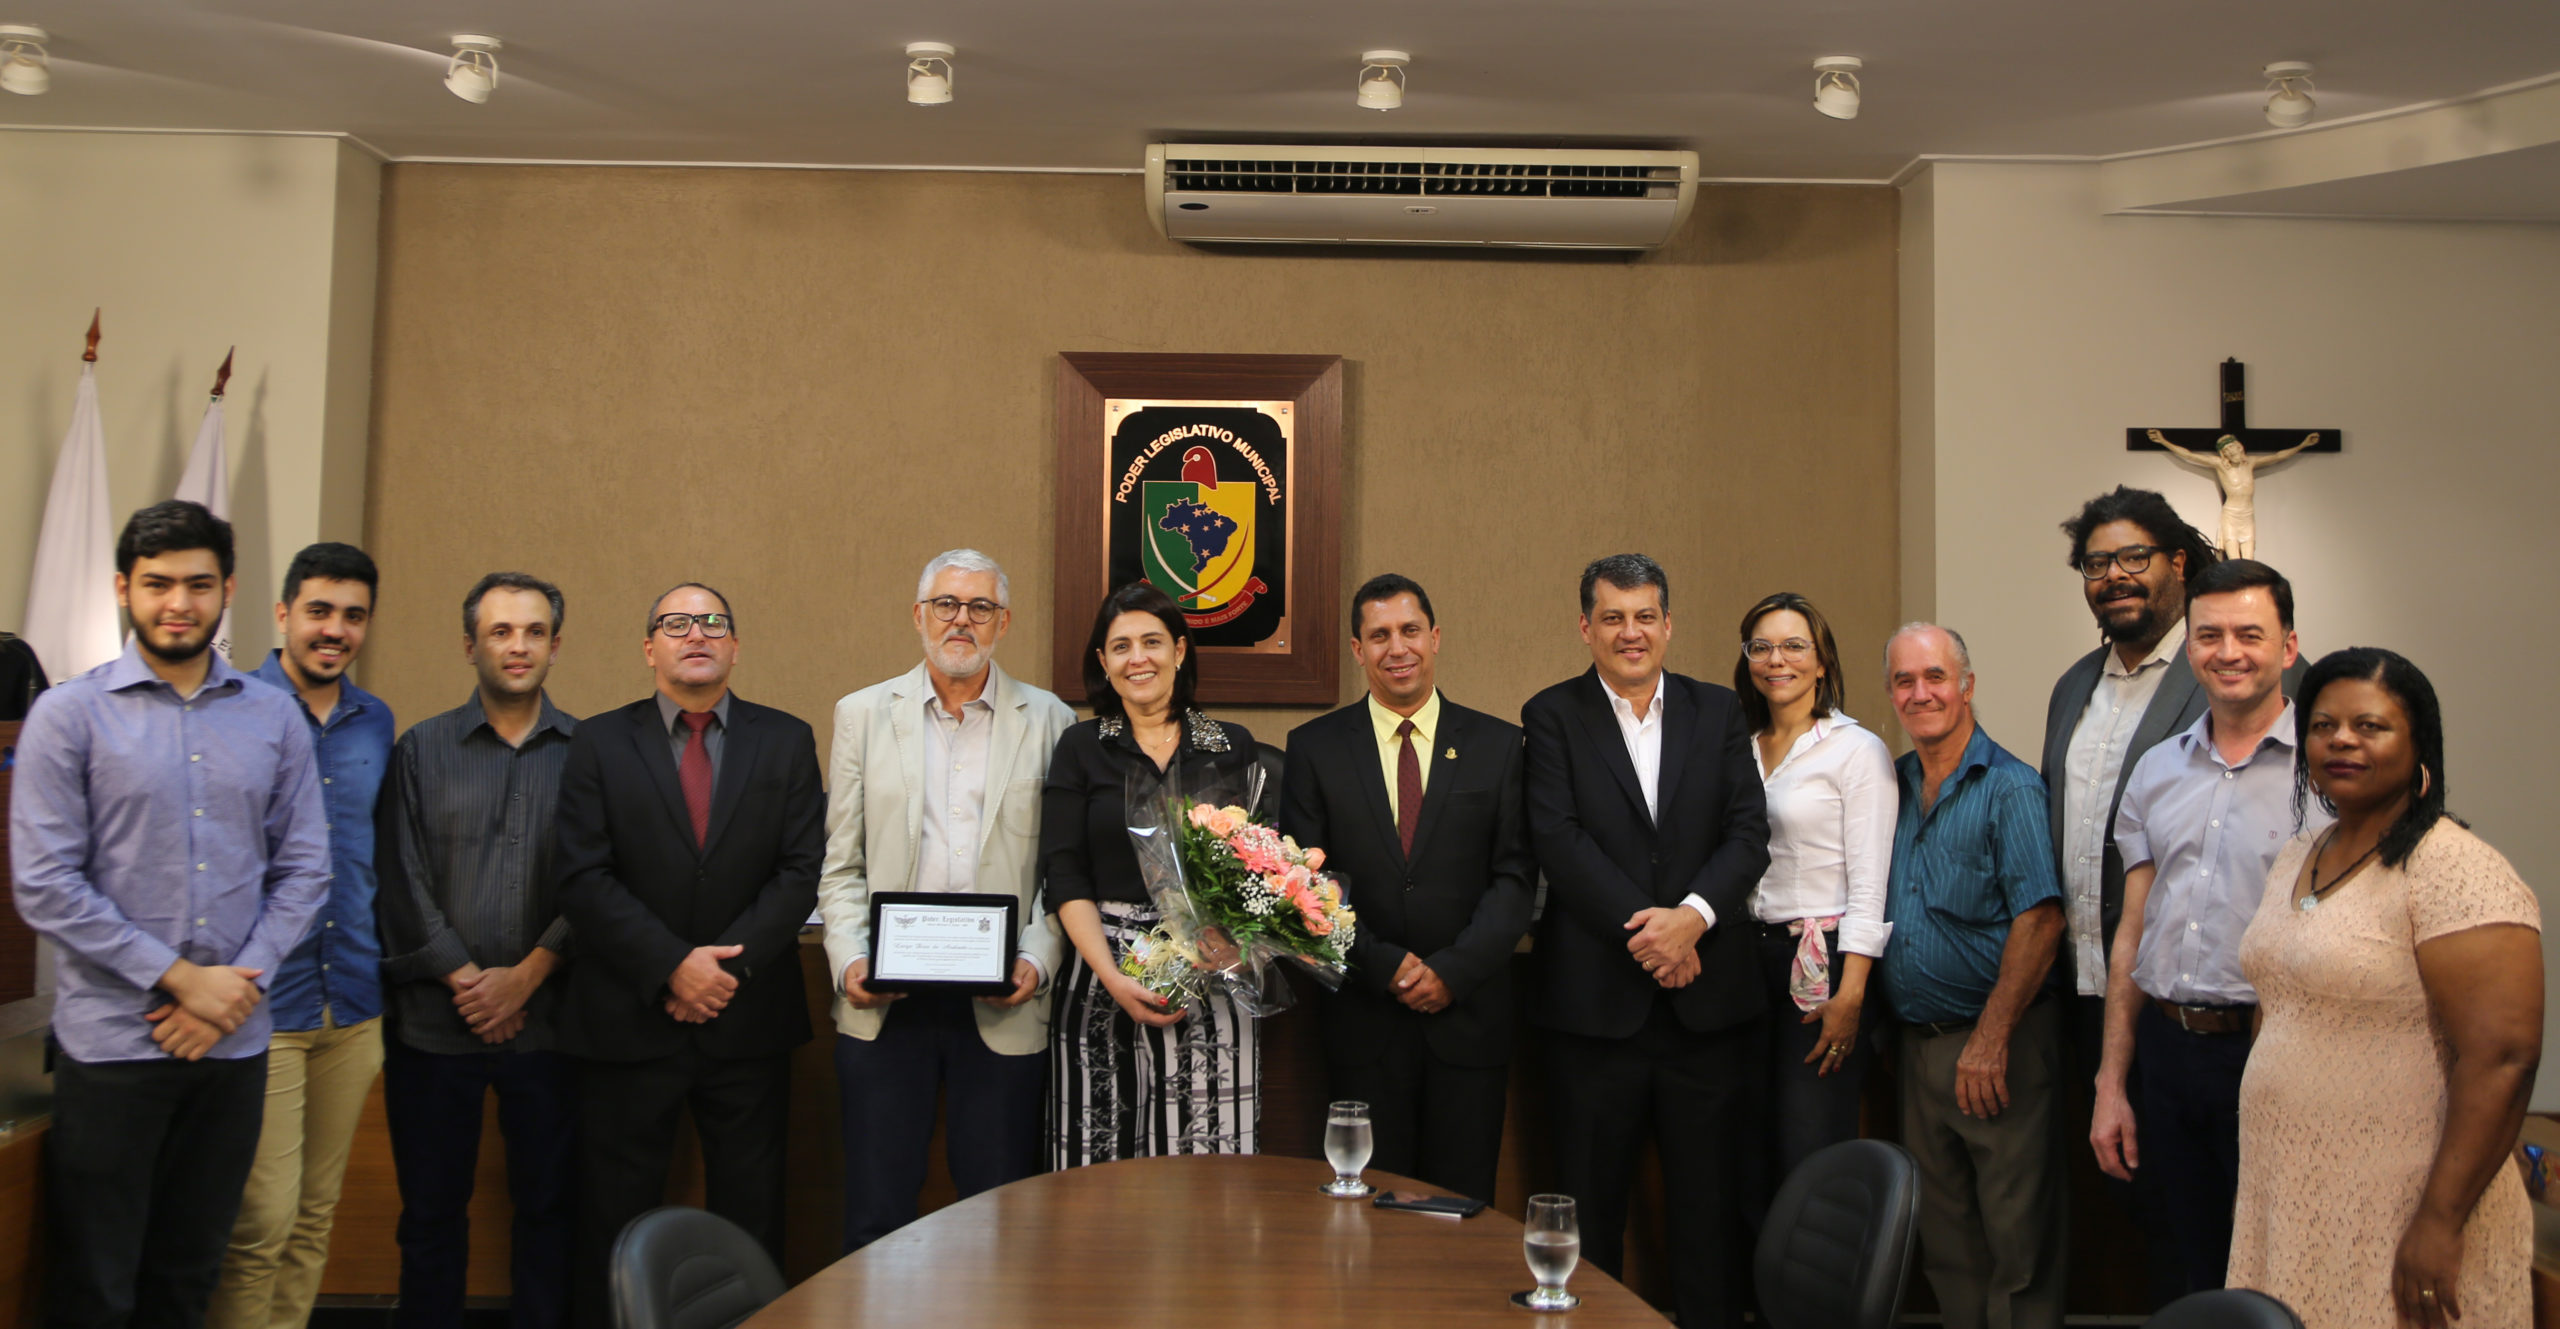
1131	1077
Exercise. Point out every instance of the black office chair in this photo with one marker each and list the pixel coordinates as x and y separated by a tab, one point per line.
1835	1251
2225	1308
679	1268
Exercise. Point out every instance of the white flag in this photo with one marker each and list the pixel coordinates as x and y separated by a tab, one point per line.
72	619
208	481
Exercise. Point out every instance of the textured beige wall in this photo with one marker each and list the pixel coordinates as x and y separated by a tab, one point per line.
193	243
2431	345
799	385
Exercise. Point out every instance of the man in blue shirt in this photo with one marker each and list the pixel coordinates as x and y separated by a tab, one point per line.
327	997
167	835
1976	914
2203	818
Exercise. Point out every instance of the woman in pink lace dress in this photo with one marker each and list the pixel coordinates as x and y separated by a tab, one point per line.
2398	963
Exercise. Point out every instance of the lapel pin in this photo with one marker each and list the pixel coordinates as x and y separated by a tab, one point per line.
1451	754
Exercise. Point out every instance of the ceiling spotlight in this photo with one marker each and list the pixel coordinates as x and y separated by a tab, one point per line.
473	73
2289	104
22	61
929	73
1382	79
1835	86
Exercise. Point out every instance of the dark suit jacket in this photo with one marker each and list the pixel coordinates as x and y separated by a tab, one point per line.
1461	902
2175	706
638	895
1604	858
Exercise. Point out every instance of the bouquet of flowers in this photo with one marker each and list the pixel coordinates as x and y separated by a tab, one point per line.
1236	896
1160	968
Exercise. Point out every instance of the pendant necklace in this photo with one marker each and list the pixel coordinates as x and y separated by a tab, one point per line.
2312	901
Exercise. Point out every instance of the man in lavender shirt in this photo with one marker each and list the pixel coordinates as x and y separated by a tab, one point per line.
168	837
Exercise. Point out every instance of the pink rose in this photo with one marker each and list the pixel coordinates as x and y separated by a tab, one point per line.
1221	822
1200	814
1315	859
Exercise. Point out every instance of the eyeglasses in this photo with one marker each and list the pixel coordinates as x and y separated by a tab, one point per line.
677	625
948	607
2134	559
1793	648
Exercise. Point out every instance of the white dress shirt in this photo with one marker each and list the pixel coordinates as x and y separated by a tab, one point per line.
954	794
2091	765
1832	804
954	798
1643	734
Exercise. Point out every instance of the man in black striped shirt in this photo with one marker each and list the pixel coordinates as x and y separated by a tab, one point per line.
471	931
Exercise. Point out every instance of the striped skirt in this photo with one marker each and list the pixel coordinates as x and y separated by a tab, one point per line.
1119	1089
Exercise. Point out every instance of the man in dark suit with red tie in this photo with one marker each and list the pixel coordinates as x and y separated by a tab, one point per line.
1416	802
1646	813
691	830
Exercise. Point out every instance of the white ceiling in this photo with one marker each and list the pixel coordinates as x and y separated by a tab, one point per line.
1043	83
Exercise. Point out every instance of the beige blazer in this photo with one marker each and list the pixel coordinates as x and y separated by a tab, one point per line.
875	822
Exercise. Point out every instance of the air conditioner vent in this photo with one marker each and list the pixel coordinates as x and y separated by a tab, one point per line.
1564	198
1506	179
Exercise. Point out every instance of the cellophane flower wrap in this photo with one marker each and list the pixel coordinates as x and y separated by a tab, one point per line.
1236	895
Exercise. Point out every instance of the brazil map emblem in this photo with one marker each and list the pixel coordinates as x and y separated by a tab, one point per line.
1198	507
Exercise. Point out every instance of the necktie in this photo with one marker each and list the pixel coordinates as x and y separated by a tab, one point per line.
694	773
1408	787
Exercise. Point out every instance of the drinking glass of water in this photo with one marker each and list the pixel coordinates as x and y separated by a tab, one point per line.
1346	1146
1552	1239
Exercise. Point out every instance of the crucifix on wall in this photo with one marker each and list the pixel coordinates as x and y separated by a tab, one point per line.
2234	453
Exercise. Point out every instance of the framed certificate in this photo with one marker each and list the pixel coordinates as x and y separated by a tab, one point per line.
927	942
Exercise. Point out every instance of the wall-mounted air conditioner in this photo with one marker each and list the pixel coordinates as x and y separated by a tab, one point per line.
1549	198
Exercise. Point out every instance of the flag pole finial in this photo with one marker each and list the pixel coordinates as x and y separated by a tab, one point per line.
222	376
90	356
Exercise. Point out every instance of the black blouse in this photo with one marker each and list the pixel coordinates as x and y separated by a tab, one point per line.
1085	852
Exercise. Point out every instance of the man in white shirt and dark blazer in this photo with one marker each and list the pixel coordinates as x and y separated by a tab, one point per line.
1648	819
934	785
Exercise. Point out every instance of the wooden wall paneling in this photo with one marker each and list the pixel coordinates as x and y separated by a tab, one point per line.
21	1226
800	385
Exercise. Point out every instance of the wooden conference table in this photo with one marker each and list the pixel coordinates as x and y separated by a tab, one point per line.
1225	1242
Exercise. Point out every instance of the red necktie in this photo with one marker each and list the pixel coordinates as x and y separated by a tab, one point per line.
694	773
1408	788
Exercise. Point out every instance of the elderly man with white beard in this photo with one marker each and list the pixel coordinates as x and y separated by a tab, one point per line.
934	785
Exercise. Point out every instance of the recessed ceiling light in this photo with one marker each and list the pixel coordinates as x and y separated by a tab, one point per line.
929	73
472	74
23	67
1382	79
2289	103
1835	86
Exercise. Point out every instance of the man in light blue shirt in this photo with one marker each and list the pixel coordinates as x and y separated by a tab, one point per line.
167	835
2203	817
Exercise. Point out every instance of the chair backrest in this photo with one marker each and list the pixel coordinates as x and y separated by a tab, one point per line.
679	1268
1835	1252
2225	1308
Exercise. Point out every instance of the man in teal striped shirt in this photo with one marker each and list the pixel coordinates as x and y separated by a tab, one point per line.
1976	916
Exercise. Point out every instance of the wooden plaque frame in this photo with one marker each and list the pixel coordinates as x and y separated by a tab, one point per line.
1307	670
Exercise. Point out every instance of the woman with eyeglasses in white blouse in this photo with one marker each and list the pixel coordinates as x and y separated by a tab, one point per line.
1818	913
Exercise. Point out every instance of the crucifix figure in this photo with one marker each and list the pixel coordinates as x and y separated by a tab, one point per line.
2227	453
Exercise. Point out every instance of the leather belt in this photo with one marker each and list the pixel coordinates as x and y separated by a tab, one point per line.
2206	1019
1942	1028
